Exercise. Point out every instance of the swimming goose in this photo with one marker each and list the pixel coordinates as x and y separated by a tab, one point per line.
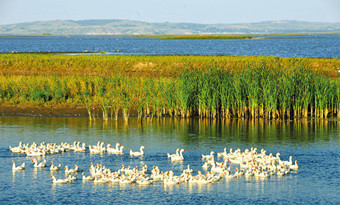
54	168
177	153
40	165
18	168
179	157
71	178
141	153
68	171
294	166
58	181
222	154
80	149
117	150
290	162
188	170
120	151
16	149
208	156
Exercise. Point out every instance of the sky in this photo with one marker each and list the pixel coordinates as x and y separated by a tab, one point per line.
174	11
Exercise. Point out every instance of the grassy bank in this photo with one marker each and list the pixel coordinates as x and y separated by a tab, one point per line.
179	86
200	36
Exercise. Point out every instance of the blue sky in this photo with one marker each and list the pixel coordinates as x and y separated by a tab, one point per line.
188	11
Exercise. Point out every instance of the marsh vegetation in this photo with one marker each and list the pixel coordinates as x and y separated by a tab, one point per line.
176	86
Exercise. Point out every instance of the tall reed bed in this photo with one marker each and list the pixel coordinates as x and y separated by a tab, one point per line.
262	91
177	86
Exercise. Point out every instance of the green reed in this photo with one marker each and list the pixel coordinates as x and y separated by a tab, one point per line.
178	86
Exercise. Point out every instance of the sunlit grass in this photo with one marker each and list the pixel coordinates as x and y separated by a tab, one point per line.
178	86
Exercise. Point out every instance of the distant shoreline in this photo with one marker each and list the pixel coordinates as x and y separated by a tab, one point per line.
121	27
185	36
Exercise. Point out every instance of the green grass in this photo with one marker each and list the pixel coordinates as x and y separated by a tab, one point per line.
178	86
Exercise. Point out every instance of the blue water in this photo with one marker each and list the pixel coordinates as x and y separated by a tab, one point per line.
314	144
320	46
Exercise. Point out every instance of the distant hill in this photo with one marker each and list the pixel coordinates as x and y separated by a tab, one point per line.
95	27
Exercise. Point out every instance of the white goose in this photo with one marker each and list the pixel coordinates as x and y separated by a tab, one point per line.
97	149
178	158
177	153
294	166
80	149
69	171
87	178
144	181
58	181
76	169
54	168
188	170
208	156
141	153
215	168
116	151
109	149
206	164
222	154
18	168
33	153
40	165
16	149
71	178
290	162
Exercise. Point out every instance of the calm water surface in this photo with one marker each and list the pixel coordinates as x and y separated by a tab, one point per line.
316	146
321	46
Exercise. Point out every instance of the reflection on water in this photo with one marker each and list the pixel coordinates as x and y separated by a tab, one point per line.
314	143
187	131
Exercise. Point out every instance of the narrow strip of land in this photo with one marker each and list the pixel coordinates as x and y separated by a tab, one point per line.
179	86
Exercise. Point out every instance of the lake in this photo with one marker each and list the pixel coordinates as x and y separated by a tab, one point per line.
314	143
319	46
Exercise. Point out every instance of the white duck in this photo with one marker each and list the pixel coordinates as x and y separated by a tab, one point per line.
141	153
18	168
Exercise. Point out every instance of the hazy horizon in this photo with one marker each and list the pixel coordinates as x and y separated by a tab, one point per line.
282	20
174	11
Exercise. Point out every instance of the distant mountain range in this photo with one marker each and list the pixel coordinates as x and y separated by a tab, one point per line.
107	27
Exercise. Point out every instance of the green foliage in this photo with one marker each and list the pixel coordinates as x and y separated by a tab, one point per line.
181	86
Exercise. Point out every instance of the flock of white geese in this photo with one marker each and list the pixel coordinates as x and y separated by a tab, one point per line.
249	163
